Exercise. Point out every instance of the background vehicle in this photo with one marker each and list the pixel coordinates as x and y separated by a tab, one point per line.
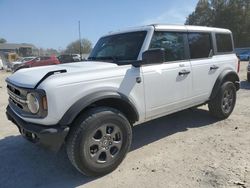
1	63
248	72
39	61
76	57
240	50
15	64
244	56
4	61
69	58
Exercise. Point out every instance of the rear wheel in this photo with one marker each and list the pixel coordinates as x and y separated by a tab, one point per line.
99	141
248	77
223	104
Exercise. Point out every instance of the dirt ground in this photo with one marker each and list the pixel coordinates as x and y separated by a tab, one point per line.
186	149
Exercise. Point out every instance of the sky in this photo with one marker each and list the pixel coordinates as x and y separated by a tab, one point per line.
54	23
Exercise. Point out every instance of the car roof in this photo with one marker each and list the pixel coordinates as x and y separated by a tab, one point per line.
168	27
191	28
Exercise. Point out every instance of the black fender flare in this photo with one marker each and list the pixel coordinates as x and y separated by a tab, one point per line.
229	75
70	115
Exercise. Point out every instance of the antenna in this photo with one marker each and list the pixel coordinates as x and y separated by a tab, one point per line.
80	40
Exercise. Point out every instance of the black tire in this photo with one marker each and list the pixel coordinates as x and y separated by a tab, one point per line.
101	126
248	77
223	104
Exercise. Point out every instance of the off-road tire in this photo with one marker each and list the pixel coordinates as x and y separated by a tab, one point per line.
77	143
217	105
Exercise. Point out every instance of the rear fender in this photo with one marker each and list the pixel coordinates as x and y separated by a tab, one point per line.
226	75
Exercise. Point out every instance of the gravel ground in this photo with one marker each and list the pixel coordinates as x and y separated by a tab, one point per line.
186	149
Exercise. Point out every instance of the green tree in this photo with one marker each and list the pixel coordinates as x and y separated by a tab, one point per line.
51	51
230	14
2	40
202	8
74	47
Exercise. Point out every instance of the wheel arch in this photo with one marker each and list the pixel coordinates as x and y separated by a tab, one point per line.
102	98
226	75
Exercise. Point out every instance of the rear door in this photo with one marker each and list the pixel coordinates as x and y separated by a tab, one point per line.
168	85
204	65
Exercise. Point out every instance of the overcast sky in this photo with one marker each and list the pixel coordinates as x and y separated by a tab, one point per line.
54	24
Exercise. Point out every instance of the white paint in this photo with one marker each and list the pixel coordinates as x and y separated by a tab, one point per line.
161	92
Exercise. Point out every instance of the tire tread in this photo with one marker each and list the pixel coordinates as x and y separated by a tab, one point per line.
79	126
214	105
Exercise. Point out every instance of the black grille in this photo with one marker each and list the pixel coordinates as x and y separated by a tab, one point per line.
14	90
17	97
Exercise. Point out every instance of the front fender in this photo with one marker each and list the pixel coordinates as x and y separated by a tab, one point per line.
85	101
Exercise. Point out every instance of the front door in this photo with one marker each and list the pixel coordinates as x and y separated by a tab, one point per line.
168	85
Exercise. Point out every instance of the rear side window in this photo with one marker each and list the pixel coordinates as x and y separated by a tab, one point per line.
200	45
44	58
172	42
224	43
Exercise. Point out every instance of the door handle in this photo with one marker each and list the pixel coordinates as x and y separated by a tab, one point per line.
184	72
214	67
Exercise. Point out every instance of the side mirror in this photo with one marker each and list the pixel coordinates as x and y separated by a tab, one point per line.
153	56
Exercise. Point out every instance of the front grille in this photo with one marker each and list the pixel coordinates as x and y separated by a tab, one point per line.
13	90
17	97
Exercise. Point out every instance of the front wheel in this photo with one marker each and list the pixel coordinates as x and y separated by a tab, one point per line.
99	141
223	104
248	77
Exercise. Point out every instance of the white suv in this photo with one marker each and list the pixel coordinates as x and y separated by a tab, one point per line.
130	77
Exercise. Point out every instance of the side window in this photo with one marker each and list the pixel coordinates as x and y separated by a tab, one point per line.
224	43
172	42
44	58
200	45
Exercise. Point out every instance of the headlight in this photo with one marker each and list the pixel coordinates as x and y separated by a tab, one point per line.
33	103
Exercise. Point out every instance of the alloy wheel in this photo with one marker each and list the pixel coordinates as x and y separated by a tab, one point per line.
105	143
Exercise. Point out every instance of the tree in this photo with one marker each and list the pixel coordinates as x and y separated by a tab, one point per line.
51	51
46	52
202	8
230	14
74	47
2	40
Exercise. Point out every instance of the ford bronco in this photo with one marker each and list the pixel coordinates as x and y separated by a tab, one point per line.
130	77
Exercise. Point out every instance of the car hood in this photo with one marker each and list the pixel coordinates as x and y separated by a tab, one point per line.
30	77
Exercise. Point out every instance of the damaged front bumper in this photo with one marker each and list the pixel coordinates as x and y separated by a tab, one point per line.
51	137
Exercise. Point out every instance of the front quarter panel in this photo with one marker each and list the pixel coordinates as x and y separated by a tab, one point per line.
64	90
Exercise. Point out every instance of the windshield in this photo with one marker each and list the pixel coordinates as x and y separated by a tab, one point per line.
120	47
19	59
27	59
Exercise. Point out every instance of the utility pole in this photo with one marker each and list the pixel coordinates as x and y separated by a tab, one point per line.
80	40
